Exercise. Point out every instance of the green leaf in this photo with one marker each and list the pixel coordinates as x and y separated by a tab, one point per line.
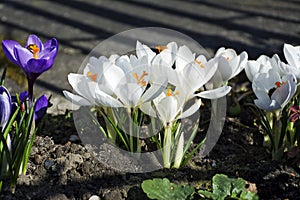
221	186
208	194
225	187
248	196
163	189
3	76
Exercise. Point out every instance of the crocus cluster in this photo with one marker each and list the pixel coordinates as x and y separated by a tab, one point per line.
158	82
19	114
275	85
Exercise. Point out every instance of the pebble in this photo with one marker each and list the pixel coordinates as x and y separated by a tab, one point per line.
94	197
37	159
48	164
74	138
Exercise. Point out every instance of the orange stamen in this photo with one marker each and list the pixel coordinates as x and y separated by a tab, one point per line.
92	76
161	48
278	84
140	80
34	49
200	63
170	93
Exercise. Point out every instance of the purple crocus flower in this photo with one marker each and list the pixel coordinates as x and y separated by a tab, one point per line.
5	106
34	59
40	107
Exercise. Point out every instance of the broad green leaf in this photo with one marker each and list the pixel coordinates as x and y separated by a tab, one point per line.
163	189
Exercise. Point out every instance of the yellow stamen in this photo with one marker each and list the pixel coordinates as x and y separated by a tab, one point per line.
161	48
170	93
278	84
92	76
34	49
140	80
200	63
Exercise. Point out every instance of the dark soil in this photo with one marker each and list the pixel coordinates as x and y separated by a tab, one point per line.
61	168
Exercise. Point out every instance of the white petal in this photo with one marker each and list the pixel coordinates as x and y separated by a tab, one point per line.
130	94
82	86
215	93
107	100
267	105
284	93
220	51
292	54
191	110
197	76
251	69
265	81
143	50
184	56
148	109
78	100
155	89
113	76
167	109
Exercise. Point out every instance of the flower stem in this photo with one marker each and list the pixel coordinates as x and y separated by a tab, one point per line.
167	146
277	150
30	91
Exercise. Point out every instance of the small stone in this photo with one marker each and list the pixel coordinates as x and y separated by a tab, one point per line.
74	138
94	197
58	197
214	164
48	164
37	159
87	155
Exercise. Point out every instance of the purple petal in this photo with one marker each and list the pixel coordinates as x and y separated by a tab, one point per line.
294	117
5	106
40	107
294	108
33	39
23	96
22	56
49	54
52	43
8	47
37	66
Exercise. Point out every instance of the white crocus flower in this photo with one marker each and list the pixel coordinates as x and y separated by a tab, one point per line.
229	65
262	65
195	75
84	88
292	55
169	105
272	91
104	83
86	84
168	52
187	83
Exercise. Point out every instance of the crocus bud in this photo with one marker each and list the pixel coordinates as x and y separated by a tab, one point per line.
5	106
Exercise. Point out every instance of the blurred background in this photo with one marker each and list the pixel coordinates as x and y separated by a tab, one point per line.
255	26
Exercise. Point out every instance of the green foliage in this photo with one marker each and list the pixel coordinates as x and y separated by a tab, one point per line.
222	186
163	189
228	188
